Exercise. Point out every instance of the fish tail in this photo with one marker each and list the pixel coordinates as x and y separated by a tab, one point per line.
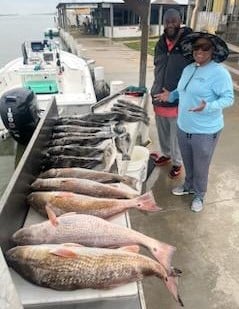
131	181
172	285
163	253
125	157
146	202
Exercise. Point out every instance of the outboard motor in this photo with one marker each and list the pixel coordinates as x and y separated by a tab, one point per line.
19	113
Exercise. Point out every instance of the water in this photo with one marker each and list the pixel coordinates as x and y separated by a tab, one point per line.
17	29
14	30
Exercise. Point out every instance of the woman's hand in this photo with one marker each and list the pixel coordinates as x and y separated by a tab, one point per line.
198	108
162	96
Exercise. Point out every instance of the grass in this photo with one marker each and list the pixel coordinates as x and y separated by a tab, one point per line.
136	45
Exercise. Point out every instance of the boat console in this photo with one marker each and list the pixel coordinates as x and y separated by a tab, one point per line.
43	66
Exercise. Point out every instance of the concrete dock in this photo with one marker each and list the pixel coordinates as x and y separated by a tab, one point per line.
207	242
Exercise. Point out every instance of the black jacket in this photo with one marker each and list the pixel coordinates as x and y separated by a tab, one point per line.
168	66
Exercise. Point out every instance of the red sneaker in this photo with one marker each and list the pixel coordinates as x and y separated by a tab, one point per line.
154	155
162	161
175	171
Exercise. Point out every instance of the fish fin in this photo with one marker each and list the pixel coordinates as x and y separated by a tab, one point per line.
163	253
72	244
130	193
123	186
64	252
172	285
51	215
132	248
109	156
146	202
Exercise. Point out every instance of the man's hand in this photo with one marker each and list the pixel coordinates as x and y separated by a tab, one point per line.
198	108
162	96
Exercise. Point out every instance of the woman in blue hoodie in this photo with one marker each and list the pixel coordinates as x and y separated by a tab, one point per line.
204	90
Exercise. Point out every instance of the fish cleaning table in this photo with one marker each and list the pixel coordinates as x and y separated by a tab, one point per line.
14	213
126	296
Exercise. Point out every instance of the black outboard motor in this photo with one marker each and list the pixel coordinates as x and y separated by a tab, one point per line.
19	113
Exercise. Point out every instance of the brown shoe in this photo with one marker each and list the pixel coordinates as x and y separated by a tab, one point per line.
175	171
162	161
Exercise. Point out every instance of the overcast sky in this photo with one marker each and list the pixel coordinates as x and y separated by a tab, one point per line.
28	6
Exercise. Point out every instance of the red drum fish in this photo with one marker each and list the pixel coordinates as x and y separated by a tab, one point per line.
63	202
82	186
85	173
90	231
73	267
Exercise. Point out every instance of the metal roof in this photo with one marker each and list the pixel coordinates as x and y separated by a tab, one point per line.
180	2
89	1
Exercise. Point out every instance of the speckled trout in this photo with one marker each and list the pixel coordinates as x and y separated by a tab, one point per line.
83	186
69	267
63	202
90	231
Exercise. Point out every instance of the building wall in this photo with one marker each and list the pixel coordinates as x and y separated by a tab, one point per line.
123	31
124	18
218	6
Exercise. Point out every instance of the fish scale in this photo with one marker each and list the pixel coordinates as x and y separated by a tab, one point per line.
51	266
91	269
98	176
83	186
90	231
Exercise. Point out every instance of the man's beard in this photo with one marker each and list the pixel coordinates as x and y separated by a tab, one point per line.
172	36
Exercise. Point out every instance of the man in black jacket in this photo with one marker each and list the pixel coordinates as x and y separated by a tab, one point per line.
169	63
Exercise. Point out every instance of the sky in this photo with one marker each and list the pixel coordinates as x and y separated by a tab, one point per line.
28	6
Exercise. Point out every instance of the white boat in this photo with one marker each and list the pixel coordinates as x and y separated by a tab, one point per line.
47	70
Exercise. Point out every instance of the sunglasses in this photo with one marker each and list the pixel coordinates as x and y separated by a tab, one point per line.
203	47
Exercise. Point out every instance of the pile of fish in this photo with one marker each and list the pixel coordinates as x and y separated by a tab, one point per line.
87	191
132	112
92	140
76	247
123	110
69	265
90	231
80	144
